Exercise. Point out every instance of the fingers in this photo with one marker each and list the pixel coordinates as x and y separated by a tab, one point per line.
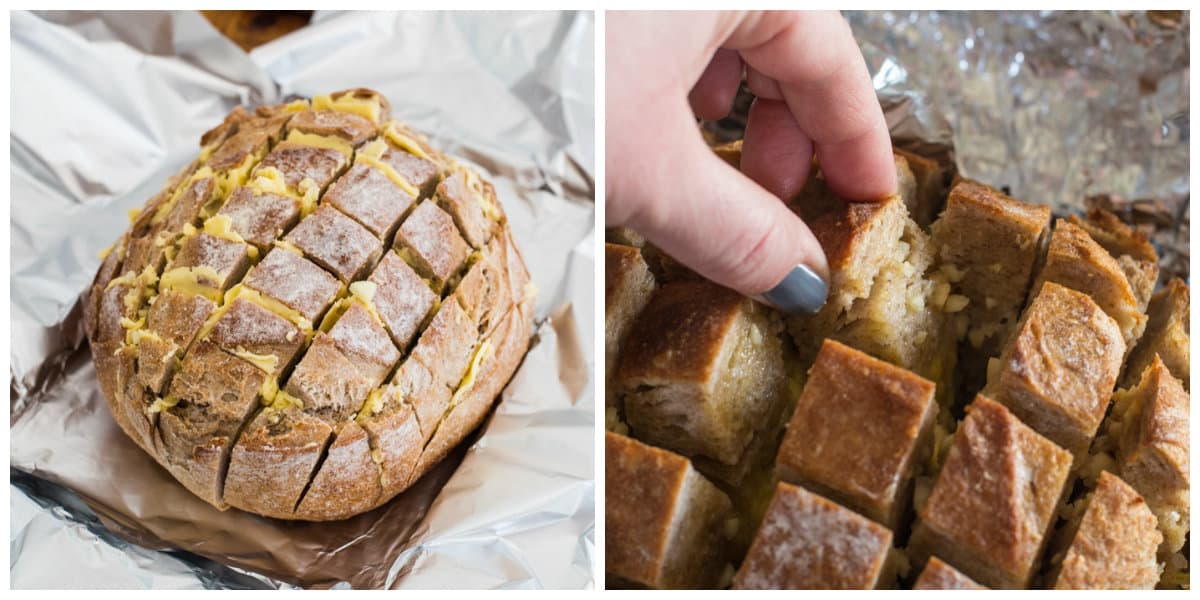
709	216
823	79
712	96
776	152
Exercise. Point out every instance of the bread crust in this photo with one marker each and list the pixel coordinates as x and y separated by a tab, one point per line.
995	499
1115	544
938	575
248	329
858	444
808	542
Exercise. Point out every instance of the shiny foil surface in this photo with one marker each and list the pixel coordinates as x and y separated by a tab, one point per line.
105	106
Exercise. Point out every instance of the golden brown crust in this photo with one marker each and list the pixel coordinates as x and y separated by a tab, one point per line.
1115	544
236	341
688	314
857	443
1167	335
648	493
808	542
628	286
1058	370
994	500
938	575
1153	453
1076	261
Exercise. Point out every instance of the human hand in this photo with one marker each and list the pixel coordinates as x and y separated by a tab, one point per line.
813	94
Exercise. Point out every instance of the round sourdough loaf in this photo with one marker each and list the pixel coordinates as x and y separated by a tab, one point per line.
310	315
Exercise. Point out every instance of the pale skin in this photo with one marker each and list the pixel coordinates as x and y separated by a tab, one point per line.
813	94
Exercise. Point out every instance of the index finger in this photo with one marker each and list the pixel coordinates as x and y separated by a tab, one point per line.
825	83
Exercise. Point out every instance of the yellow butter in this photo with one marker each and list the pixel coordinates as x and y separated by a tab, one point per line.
393	133
201	280
468	380
266	392
133	214
162	404
269	180
103	254
310	193
321	141
296	106
391	173
283	400
373	405
251	295
266	362
363	107
290	247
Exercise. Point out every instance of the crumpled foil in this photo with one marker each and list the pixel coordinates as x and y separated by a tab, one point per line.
106	106
1069	109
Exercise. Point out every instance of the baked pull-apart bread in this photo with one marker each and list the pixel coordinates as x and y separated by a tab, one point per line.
312	313
958	389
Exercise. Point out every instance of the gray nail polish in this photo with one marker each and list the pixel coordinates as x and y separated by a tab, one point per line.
801	292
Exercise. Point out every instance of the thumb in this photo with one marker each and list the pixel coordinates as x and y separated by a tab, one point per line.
709	216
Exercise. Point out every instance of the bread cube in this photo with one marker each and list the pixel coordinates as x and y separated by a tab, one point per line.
295	282
429	241
254	333
881	299
252	138
401	298
464	198
336	242
929	187
664	523
363	340
938	575
214	394
186	204
329	385
993	503
808	542
206	261
1058	369
1166	335
353	128
628	286
702	368
347	482
1112	541
990	243
446	345
859	429
1076	261
368	196
1153	449
1130	247
260	218
273	460
298	162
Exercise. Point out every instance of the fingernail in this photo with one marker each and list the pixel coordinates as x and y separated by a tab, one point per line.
802	292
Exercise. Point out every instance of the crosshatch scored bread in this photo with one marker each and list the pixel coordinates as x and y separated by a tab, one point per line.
311	314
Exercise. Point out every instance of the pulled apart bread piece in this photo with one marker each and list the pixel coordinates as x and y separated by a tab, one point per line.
858	444
808	542
666	526
702	371
885	296
1058	369
988	245
993	503
311	314
1131	249
1110	541
938	575
1166	335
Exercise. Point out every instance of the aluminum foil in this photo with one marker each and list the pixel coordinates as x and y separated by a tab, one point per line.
106	105
1069	109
